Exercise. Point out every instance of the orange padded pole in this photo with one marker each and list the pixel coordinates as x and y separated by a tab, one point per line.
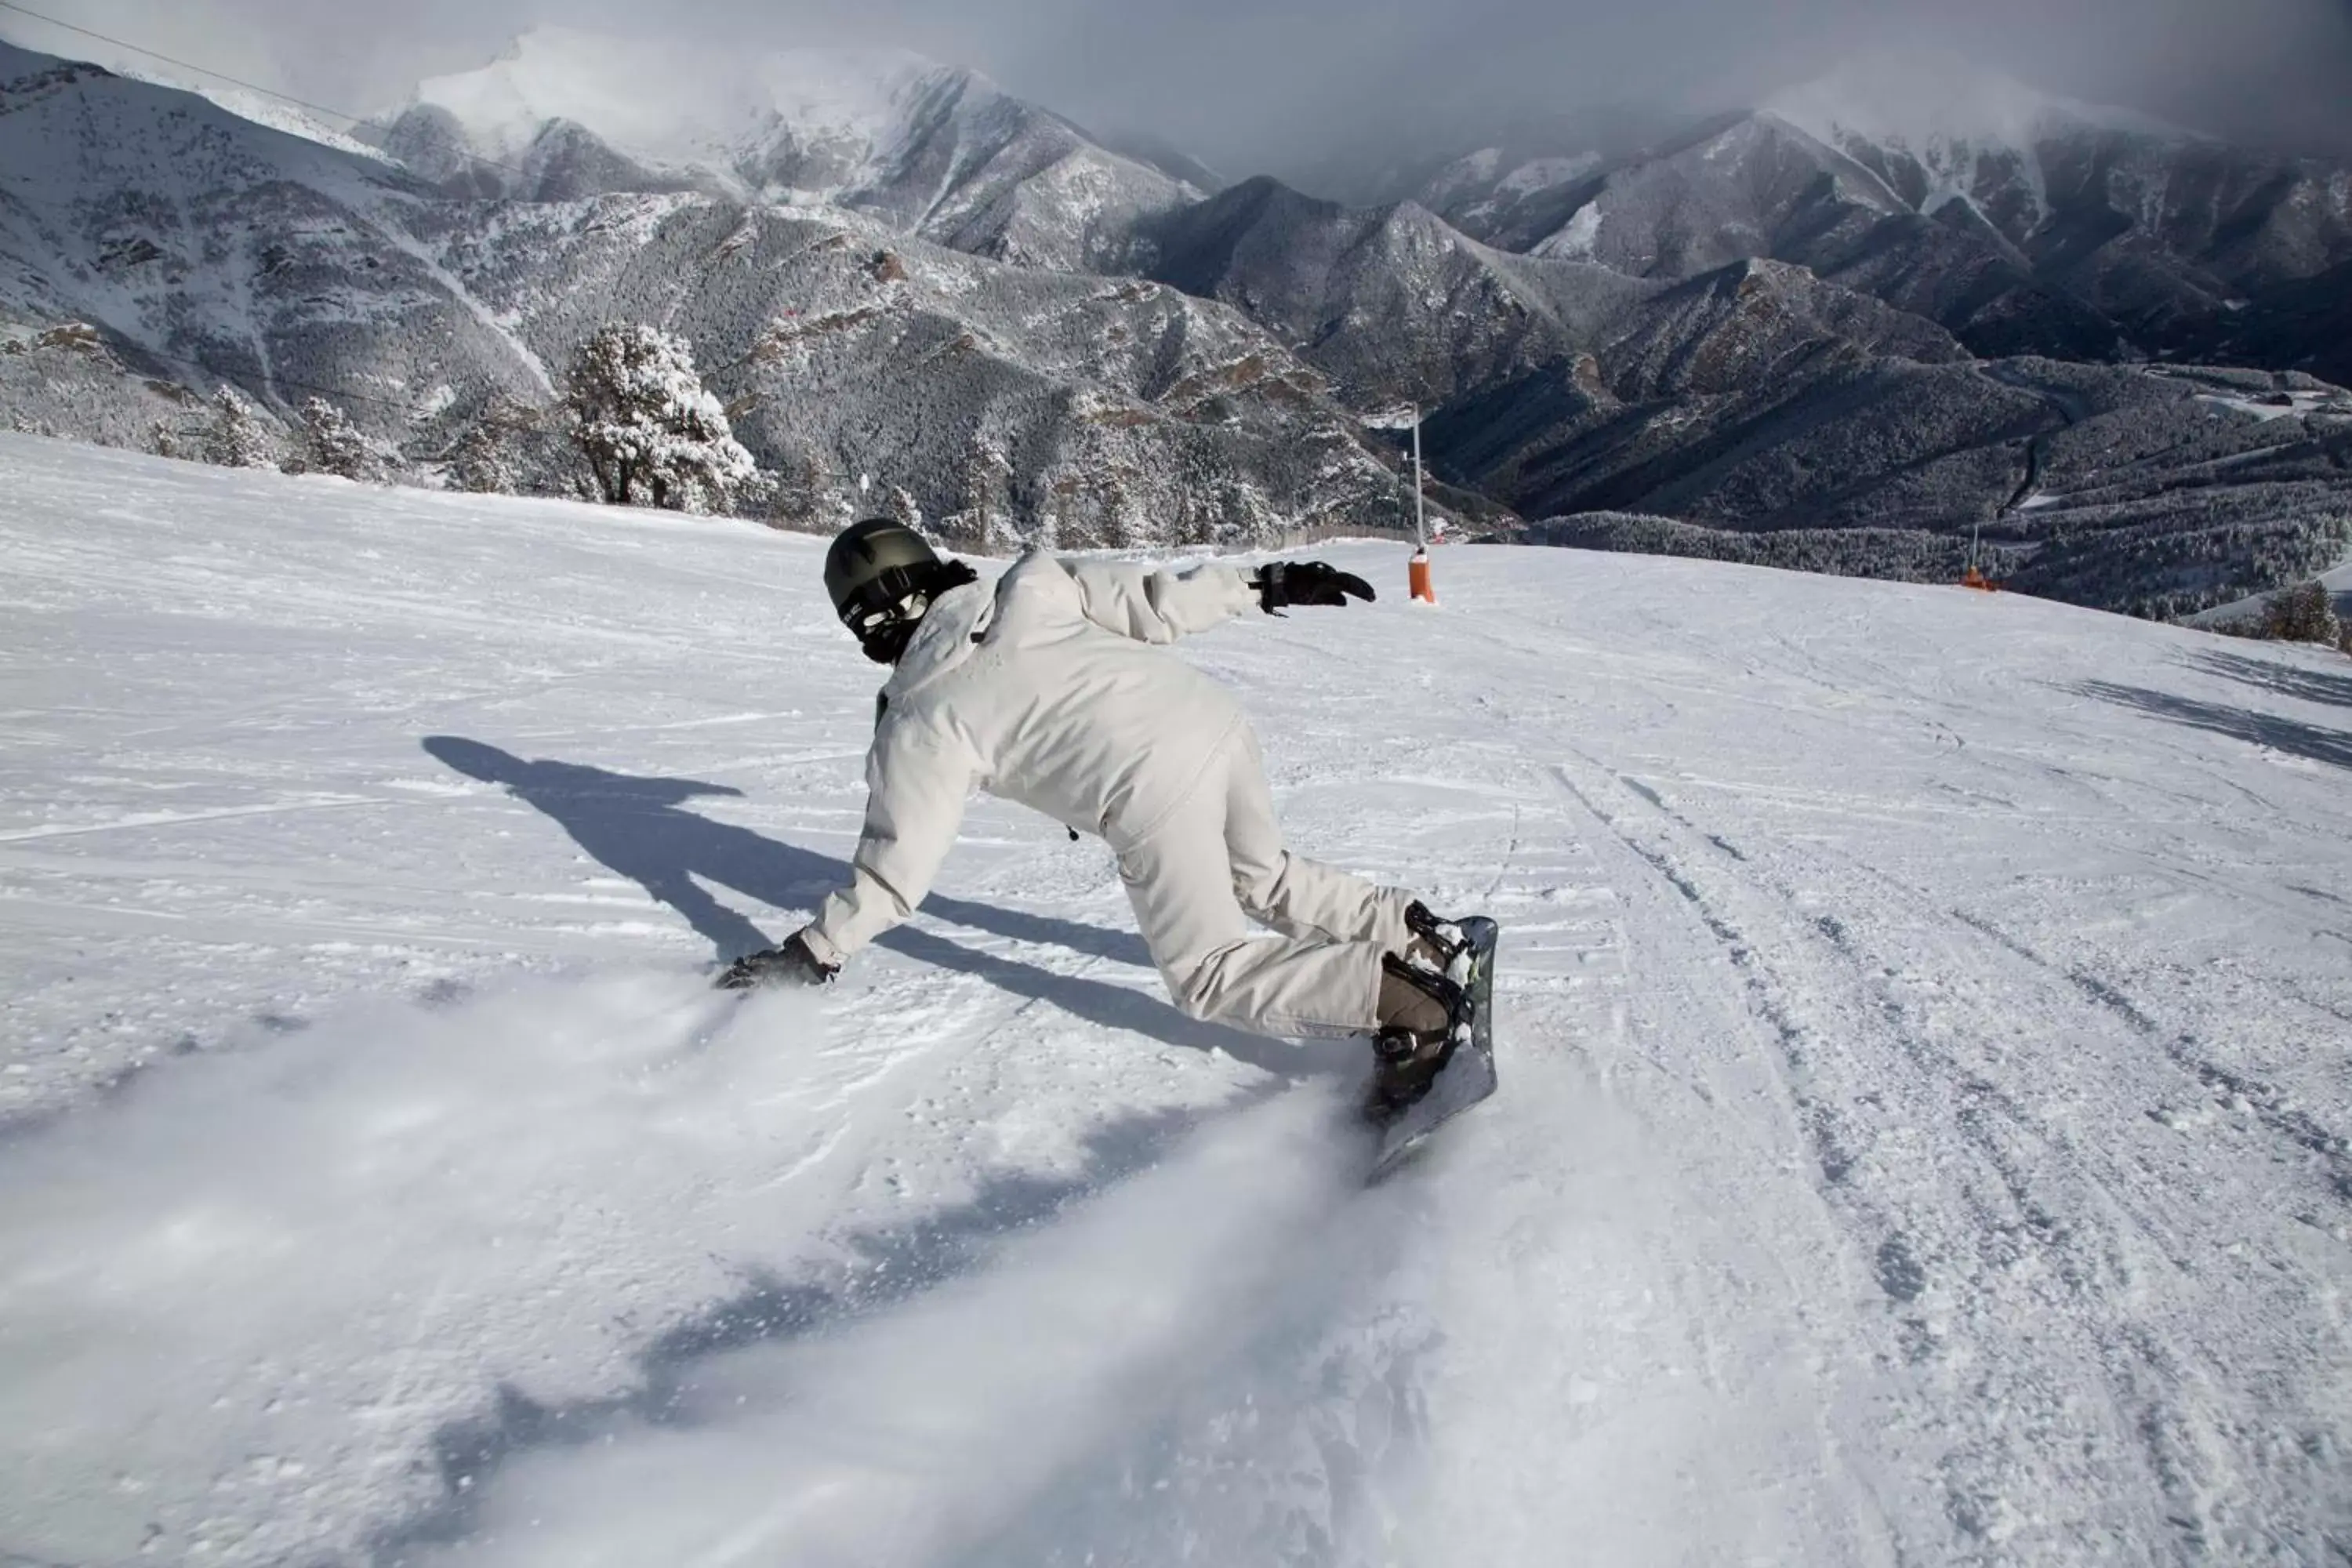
1417	578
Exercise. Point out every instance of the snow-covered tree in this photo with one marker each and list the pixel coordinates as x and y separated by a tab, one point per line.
644	422
332	445
756	496
810	491
1125	525
2306	613
986	519
482	463
236	437
899	504
486	459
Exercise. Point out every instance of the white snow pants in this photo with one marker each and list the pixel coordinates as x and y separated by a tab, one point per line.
1215	864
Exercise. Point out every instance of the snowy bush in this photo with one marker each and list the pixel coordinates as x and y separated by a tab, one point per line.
236	437
644	421
332	445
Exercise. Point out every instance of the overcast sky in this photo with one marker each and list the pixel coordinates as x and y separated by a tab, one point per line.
1286	85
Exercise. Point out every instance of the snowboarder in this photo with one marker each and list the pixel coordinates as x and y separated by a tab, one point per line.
1047	689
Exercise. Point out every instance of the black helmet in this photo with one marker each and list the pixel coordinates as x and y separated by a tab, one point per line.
882	578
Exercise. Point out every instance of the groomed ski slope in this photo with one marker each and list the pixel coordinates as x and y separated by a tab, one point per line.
1923	1135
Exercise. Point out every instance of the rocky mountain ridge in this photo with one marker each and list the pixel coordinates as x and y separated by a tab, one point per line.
2022	221
1033	401
939	152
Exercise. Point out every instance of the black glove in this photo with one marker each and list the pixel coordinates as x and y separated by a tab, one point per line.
790	964
1283	583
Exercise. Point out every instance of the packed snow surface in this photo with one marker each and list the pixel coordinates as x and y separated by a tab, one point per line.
1924	1032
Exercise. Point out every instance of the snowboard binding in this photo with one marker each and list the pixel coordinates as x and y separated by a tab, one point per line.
1444	945
1431	1011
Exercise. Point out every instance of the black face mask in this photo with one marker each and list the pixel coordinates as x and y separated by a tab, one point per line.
885	640
883	634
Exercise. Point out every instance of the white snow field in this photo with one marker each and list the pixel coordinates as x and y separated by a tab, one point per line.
1924	1034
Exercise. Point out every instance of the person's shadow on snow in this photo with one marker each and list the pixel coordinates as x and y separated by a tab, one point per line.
639	828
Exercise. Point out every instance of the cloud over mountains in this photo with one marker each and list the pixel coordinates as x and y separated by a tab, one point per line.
1290	86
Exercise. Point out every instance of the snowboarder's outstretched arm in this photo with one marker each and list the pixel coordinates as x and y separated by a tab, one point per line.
1159	605
916	782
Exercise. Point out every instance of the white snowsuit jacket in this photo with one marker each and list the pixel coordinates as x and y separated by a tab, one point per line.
1045	690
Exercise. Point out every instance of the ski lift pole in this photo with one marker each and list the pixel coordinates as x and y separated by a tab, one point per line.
1974	576
1417	572
1398	417
1420	502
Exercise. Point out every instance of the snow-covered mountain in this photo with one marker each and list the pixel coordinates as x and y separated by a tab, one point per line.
1391	302
2155	227
278	113
1757	415
940	151
1759	328
1947	112
1924	1025
1511	203
196	247
1756	186
207	246
2025	222
1095	410
1797	420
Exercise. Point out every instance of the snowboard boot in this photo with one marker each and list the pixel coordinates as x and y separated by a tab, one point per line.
1422	1016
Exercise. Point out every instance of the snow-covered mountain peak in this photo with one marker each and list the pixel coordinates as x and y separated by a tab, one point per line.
1920	101
848	88
937	150
667	102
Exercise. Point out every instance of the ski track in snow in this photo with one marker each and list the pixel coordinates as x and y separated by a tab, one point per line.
1922	1140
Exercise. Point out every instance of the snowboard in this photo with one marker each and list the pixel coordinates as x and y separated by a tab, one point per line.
1467	1077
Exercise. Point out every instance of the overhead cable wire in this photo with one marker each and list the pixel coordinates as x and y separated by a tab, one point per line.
303	103
356	120
409	406
184	65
